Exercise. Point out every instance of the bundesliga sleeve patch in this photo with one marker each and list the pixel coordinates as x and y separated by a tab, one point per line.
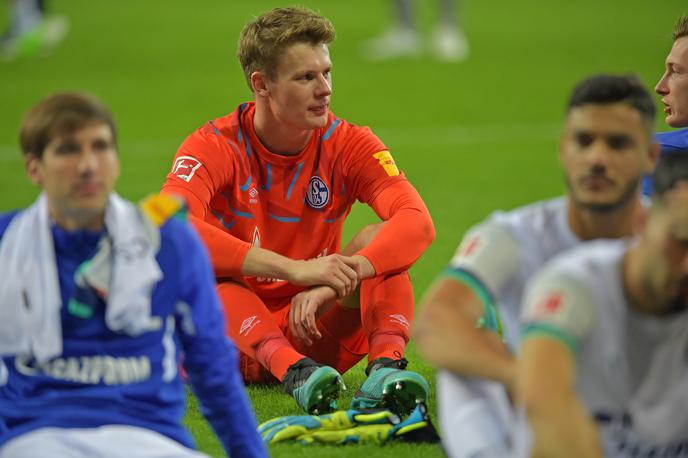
547	306
387	163
185	167
471	247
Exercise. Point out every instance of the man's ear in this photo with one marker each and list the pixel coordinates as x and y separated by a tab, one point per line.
259	83
31	164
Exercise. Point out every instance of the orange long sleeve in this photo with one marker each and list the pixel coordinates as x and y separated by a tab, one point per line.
227	252
406	235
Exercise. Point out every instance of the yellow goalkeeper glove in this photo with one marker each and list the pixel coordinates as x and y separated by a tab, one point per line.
350	426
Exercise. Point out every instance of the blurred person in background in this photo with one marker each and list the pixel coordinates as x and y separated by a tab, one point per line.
673	87
99	301
469	325
447	42
31	32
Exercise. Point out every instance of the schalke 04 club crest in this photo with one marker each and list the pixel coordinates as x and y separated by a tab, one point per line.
317	195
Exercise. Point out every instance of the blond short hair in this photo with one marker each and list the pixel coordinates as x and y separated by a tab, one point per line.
263	40
681	28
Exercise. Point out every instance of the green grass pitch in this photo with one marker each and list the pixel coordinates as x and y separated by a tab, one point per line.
472	137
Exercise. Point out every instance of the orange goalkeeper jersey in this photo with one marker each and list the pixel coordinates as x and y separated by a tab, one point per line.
292	205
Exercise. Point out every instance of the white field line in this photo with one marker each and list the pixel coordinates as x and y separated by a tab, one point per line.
408	136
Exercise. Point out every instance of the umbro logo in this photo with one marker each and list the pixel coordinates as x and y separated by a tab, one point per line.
253	195
401	319
248	324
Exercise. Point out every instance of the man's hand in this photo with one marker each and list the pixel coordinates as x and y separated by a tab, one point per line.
341	273
305	308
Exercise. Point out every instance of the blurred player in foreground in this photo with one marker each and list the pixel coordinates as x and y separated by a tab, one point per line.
99	301
602	368
269	187
606	147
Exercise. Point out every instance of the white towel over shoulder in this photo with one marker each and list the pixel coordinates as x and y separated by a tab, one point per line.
124	269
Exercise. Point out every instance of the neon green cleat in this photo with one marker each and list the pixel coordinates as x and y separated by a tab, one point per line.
392	387
314	387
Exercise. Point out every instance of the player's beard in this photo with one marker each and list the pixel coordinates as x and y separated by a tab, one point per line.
630	192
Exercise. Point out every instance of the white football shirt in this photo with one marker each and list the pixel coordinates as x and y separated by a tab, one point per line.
632	368
503	253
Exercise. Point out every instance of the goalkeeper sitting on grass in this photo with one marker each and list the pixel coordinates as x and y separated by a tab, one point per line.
269	187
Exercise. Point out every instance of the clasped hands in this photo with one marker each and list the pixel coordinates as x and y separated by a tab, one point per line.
330	278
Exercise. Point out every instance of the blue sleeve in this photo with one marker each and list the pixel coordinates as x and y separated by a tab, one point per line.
210	357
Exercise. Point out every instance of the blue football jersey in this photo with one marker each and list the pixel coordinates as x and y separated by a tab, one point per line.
675	141
106	377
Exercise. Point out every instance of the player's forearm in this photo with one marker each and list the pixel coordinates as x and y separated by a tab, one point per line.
484	357
400	242
406	234
450	340
546	388
447	334
232	257
266	263
562	429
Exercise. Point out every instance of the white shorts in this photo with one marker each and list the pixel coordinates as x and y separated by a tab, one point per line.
476	417
111	441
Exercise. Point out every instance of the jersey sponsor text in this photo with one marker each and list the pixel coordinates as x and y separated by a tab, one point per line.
92	370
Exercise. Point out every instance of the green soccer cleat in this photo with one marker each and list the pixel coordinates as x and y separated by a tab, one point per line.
392	387
314	387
